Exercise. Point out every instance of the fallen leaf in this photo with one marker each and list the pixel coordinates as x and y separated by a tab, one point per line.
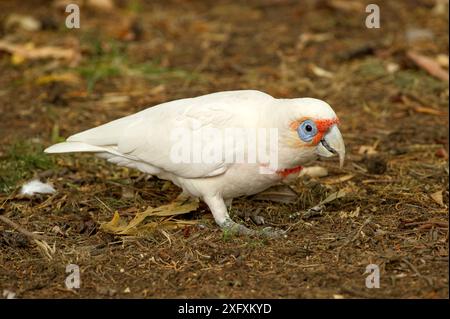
339	194
367	150
62	4
321	72
442	153
392	67
29	51
441	7
348	6
352	214
428	110
437	197
67	77
17	59
442	60
8	294
416	35
24	22
318	209
141	227
339	179
305	38
131	31
429	65
114	98
101	4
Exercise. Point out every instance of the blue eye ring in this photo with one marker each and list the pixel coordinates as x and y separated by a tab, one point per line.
307	130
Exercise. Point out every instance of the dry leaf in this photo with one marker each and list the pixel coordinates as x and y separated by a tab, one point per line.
114	98
29	51
392	67
306	38
428	110
321	72
429	65
319	208
339	179
441	7
442	60
67	77
62	4
352	214
368	150
416	34
339	194
138	225
101	4
442	153
24	22
437	197
349	6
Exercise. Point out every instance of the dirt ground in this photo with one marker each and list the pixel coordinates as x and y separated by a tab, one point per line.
394	119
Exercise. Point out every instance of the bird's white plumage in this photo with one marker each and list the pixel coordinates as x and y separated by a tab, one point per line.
143	141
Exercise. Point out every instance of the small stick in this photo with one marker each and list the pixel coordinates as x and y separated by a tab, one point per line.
20	229
348	241
413	268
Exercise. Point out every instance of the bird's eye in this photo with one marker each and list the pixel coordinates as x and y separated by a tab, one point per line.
307	130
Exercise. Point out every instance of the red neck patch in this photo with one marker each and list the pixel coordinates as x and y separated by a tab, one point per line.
288	171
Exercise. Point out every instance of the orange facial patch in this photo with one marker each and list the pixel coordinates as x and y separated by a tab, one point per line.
322	127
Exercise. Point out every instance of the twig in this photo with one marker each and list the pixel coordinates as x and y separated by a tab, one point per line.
413	268
366	222
20	229
8	198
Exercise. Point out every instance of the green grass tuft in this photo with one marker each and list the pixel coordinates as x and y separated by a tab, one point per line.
20	162
114	62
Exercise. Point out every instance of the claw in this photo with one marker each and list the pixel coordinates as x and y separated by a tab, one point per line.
273	232
258	220
238	229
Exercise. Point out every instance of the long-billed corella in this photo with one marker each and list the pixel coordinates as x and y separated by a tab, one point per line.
218	146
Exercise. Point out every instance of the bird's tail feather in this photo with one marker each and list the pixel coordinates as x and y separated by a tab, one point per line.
71	147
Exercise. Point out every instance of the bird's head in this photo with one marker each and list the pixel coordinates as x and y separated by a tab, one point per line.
311	126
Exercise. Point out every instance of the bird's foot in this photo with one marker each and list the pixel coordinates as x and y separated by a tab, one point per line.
253	215
271	232
234	228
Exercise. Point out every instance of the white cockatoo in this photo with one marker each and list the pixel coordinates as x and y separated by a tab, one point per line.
193	143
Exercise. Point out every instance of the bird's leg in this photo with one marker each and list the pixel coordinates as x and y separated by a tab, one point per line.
228	203
219	210
258	220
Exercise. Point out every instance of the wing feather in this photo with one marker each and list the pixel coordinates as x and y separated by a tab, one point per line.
147	136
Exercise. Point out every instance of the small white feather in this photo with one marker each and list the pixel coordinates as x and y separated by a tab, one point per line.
36	187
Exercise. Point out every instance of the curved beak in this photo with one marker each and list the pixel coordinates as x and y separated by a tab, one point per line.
332	144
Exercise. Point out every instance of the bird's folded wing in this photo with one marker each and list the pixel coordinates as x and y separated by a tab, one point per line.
151	136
